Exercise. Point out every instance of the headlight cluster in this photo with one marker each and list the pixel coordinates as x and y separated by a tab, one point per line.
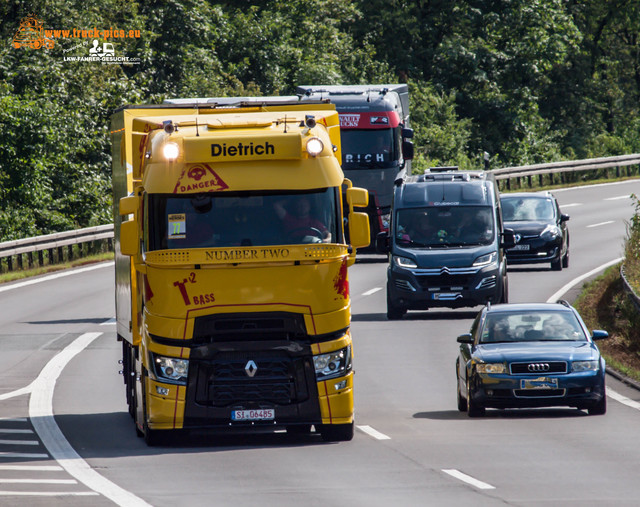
551	232
584	366
333	364
485	260
171	369
491	368
403	262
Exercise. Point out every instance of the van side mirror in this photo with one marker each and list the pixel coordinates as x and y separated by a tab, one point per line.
508	238
382	243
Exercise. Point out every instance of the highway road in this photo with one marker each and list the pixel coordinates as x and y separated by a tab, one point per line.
66	437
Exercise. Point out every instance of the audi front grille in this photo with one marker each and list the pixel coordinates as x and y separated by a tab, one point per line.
538	367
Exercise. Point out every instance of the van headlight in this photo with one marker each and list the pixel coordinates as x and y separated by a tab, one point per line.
171	369
403	262
333	364
485	260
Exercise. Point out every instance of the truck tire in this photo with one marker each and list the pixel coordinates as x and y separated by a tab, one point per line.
151	437
337	432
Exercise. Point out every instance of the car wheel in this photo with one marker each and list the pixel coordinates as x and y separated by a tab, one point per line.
473	409
556	265
599	408
565	259
505	290
462	402
394	312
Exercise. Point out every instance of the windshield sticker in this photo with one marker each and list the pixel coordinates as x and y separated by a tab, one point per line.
177	226
379	120
199	178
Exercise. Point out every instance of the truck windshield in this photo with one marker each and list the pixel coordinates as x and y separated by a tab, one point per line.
219	220
369	148
444	226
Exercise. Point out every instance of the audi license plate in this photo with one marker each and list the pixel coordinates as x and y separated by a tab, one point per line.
266	414
539	383
524	246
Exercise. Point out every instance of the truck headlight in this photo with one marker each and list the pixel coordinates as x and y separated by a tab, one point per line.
171	151
485	260
314	146
334	364
491	368
584	366
171	369
403	262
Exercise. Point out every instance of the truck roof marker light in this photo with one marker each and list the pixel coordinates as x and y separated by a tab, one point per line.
314	146
171	151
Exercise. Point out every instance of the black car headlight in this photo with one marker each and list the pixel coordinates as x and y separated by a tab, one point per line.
551	232
333	364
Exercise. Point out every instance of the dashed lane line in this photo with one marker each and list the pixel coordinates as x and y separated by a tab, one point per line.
467	478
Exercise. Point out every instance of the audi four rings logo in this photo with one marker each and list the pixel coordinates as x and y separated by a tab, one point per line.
538	367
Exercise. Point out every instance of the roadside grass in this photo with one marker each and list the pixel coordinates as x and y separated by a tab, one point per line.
603	304
12	276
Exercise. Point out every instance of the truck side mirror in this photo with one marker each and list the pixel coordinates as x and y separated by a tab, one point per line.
357	197
382	242
407	150
359	230
407	133
129	240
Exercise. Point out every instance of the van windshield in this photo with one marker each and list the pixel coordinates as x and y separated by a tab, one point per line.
444	226
219	220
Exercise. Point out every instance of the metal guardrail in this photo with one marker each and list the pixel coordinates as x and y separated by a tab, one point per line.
53	242
631	294
587	164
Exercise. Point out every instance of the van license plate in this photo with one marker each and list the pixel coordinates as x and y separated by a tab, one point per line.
446	296
266	414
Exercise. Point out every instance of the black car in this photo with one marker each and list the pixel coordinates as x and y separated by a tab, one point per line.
530	355
540	228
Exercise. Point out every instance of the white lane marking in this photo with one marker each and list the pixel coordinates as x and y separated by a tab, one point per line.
572	205
622	399
55	276
41	415
373	433
467	478
620	197
112	320
38	481
9	430
45	493
32	468
610	392
372	291
600	224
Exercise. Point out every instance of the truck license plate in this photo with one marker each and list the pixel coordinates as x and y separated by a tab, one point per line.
266	414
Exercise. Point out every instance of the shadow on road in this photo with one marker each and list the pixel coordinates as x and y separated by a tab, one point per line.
509	413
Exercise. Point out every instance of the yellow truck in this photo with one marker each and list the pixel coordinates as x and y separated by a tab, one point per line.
234	229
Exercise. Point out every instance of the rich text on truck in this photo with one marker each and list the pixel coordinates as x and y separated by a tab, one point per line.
447	242
376	133
232	291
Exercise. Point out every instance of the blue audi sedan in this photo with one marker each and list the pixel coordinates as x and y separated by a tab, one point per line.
530	355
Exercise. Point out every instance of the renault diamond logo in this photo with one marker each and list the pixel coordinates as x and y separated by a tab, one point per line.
251	368
535	367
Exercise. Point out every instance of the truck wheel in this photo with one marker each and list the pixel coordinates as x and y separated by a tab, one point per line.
337	432
151	437
299	429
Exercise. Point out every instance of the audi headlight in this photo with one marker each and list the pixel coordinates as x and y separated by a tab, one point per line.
171	369
485	260
403	262
491	368
585	366
333	364
551	232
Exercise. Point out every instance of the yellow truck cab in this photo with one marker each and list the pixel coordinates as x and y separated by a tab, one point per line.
232	291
